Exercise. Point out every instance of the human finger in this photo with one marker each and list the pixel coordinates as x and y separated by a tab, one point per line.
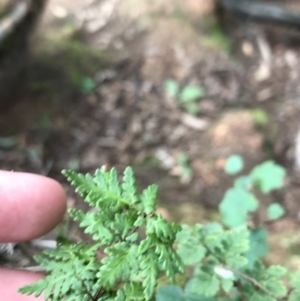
12	280
30	205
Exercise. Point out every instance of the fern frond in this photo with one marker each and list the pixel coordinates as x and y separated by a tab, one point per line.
119	265
131	267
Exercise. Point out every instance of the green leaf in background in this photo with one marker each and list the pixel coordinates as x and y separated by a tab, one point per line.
234	164
271	279
268	176
191	107
244	182
258	245
260	117
204	284
185	167
190	94
175	293
235	247
87	85
295	284
171	87
170	293
294	296
236	205
213	226
275	211
190	249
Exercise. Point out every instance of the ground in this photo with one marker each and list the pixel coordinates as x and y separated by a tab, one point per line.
95	93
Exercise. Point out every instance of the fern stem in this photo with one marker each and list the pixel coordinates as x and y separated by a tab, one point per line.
250	279
242	275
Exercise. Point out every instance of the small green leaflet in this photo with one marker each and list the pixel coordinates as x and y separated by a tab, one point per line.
270	279
87	85
171	87
236	244
236	205
258	245
295	284
234	164
93	224
149	272
190	93
148	198
244	182
275	211
186	171
131	291
168	261
204	284
170	293
190	248
161	228
129	186
119	265
175	293
260	116
268	176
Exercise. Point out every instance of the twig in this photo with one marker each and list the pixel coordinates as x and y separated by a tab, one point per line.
242	275
250	279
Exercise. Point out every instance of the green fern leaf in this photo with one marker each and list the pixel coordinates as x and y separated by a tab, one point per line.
129	186
168	260
120	264
94	223
162	229
35	288
113	182
149	273
148	199
131	268
146	244
123	223
101	179
133	291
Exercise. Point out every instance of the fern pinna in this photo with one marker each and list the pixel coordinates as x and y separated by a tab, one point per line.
138	244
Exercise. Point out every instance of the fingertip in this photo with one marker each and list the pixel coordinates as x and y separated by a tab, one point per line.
12	280
30	205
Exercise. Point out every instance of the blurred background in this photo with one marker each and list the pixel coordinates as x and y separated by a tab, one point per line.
172	88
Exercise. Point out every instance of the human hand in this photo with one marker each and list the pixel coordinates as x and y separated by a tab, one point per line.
30	206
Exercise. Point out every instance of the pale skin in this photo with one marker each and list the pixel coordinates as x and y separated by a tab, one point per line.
30	206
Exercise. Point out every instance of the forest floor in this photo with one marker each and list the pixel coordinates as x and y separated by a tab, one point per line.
100	89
